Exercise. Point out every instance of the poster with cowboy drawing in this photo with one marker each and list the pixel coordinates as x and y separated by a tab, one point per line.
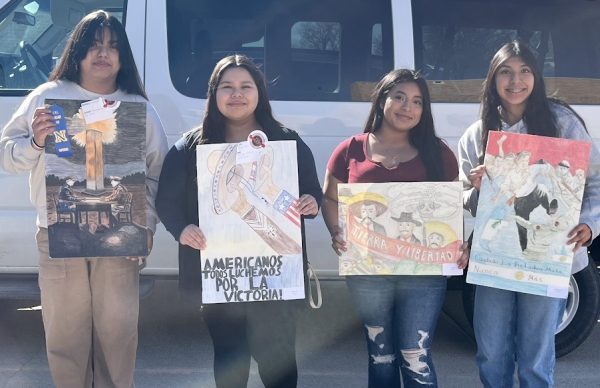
529	200
247	195
95	179
401	228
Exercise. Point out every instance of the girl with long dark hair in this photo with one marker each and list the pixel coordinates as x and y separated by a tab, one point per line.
399	144
236	105
513	327
90	305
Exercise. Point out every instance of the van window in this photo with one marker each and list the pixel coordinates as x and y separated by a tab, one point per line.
34	34
312	50
454	45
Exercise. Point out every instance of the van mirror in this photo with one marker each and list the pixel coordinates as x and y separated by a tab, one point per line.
23	18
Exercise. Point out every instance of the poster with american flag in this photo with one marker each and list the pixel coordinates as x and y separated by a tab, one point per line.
247	208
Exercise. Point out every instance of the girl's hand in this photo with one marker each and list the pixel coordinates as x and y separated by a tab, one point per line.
475	176
337	241
580	235
465	252
42	125
192	236
307	205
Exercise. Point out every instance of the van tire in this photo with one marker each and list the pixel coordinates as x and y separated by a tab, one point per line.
584	311
583	307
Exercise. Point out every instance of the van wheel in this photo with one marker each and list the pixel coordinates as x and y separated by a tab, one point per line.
581	313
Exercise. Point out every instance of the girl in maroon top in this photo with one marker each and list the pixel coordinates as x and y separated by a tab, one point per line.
399	144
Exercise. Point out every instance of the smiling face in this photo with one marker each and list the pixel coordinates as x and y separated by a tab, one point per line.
101	64
237	95
514	84
403	107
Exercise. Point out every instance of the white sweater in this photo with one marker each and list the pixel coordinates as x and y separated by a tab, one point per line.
17	154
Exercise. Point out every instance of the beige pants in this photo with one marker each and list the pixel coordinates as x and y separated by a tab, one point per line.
90	310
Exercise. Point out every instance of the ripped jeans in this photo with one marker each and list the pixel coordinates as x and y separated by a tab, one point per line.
399	314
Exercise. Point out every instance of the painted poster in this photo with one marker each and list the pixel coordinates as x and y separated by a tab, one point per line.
95	179
528	203
247	195
398	228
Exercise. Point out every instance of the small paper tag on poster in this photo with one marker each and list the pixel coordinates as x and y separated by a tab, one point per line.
253	149
98	110
530	199
401	228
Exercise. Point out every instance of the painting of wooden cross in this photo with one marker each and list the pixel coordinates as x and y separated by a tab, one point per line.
92	137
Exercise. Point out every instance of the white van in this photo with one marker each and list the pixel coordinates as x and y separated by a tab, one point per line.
321	58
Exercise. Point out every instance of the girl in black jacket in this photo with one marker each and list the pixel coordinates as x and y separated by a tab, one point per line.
237	104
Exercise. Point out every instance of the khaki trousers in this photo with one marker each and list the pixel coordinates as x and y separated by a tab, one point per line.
90	309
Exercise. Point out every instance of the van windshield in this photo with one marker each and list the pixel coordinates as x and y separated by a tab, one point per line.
34	33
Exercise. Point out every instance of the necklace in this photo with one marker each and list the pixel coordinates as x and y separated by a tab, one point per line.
389	157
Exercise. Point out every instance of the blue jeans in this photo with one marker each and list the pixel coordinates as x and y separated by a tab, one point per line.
399	314
513	327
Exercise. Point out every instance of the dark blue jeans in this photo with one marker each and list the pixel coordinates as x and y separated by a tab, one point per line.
399	314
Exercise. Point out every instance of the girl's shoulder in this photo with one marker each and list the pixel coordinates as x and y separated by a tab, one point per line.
354	142
566	118
560	108
472	134
188	141
445	148
474	128
54	89
285	133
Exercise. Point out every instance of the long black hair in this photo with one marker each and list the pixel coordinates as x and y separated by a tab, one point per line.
422	136
213	124
85	34
538	117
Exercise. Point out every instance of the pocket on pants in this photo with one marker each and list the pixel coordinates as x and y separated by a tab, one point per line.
49	268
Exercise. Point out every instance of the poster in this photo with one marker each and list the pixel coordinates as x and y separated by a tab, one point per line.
529	201
247	195
95	179
401	228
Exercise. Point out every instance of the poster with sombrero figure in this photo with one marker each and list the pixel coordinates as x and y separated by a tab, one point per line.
400	228
247	195
95	167
530	199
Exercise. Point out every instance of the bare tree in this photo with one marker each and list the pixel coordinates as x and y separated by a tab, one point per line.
318	36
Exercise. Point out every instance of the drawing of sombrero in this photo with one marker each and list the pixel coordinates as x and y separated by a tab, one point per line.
406	217
442	229
344	194
356	201
226	176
